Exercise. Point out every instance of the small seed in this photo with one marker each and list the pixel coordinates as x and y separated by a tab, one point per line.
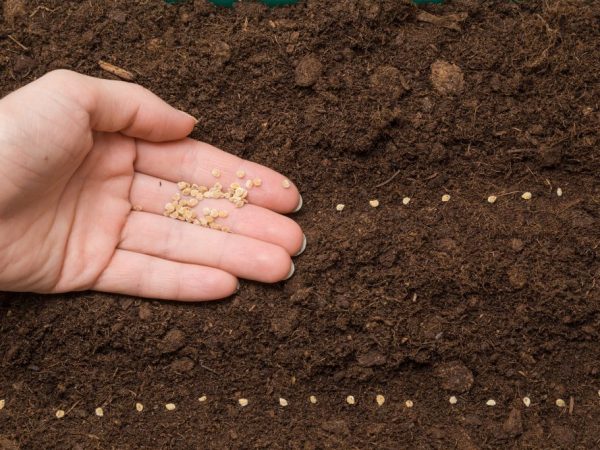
60	414
169	207
239	192
176	197
492	199
194	192
257	182
186	191
249	184
313	399
174	215
559	192
214	213
406	200
216	173
340	207
380	399
206	211
182	185
491	402
560	403
374	203
2	403
526	196
350	400
202	189
526	401
202	399
409	403
223	214
285	183
283	401
453	400
183	202
139	407
170	406
192	202
240	173
243	402
209	219
99	412
445	198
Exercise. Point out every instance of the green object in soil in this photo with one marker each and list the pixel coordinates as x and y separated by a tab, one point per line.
229	3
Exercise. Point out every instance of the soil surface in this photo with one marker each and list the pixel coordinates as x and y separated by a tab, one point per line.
353	100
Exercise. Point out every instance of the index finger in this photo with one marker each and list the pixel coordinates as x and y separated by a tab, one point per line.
197	162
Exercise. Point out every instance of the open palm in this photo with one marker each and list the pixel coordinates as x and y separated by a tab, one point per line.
77	152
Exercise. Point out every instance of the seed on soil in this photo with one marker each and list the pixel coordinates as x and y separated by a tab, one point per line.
202	399
170	406
380	399
99	412
409	403
286	183
374	203
283	401
350	400
491	402
249	184
216	173
257	182
453	400
526	401
492	199
340	207
406	200
2	403
240	173
560	403
60	414
313	399
445	198
526	196
243	402
559	192
139	407
182	185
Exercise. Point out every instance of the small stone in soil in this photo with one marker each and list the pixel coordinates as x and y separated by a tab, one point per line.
526	196
283	401
560	403
380	399
340	207
202	399
453	400
374	203
2	403
409	403
406	200
139	407
491	402
445	198
492	199
526	401
60	414
559	192
99	412
170	406
350	400
313	399
243	402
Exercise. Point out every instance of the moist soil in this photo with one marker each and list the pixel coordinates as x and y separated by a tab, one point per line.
353	100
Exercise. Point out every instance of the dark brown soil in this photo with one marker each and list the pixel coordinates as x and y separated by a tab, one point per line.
415	302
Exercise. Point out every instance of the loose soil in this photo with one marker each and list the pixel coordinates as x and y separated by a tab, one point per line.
416	302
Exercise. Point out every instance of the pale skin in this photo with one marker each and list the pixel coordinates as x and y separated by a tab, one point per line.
78	153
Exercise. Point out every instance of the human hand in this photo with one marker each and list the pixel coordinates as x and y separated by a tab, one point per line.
76	153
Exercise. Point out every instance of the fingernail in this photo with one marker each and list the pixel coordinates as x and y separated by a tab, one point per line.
190	116
292	270
299	206
238	287
303	246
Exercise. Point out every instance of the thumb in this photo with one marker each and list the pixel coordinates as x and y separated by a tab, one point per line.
117	106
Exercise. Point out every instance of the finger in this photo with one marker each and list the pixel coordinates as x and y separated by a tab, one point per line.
193	161
125	107
142	275
151	194
173	240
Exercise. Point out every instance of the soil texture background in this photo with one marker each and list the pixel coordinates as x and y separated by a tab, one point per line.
353	100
